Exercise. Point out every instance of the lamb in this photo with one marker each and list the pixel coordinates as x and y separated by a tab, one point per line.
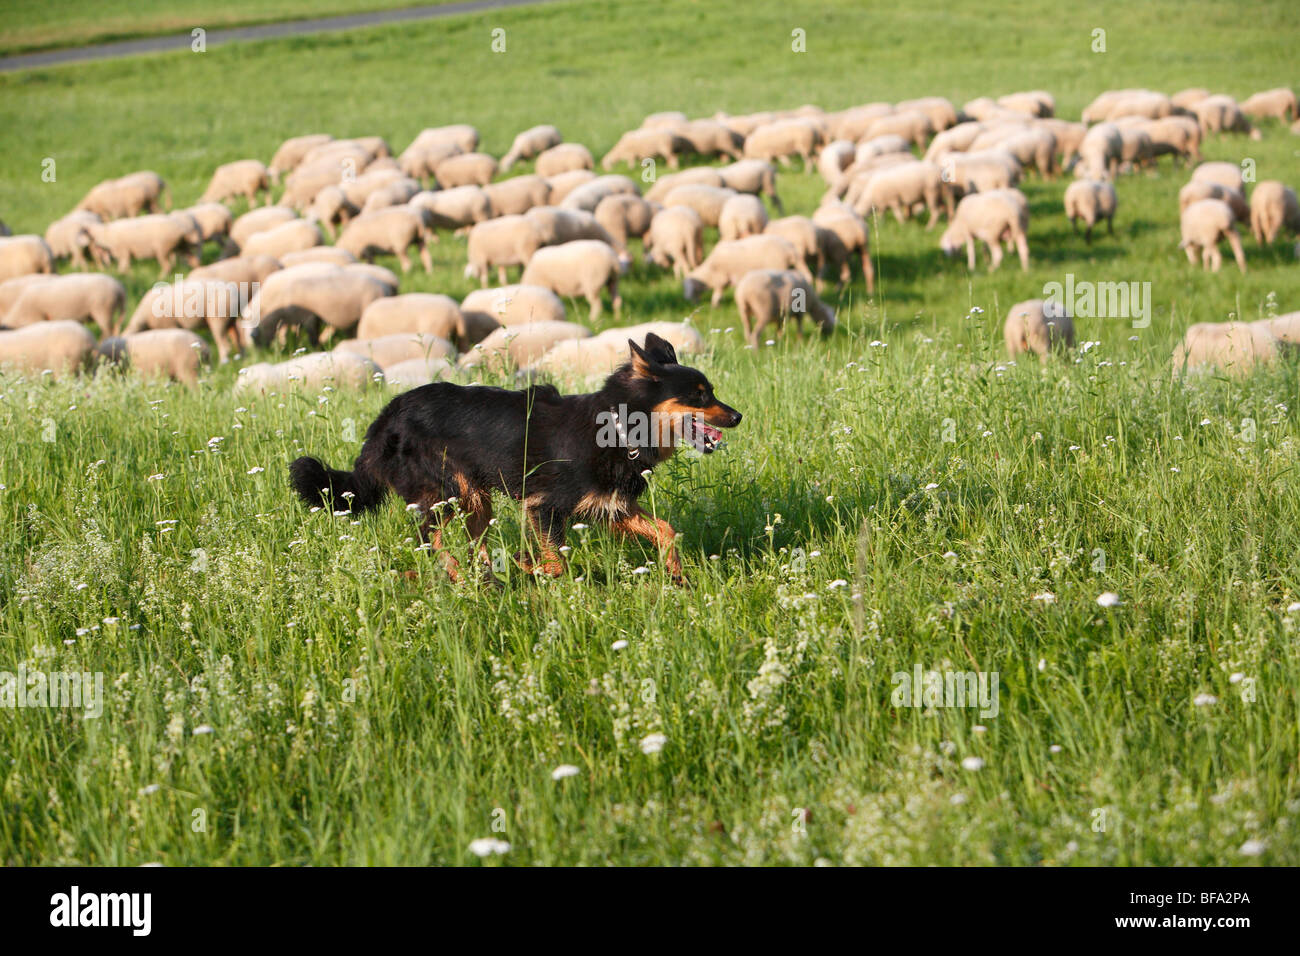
675	239
1039	327
731	259
707	201
306	295
564	158
1233	347
312	371
521	345
192	303
291	152
1225	174
75	297
489	309
564	183
741	216
588	196
1100	152
127	196
1197	190
418	371
12	289
390	230
1091	200
22	255
423	313
580	268
783	139
695	176
516	196
467	169
991	218
160	237
57	347
853	235
388	350
1278	103
244	177
531	142
457	208
1273	205
902	187
68	238
768	296
292	236
258	220
177	354
1203	224
504	242
711	138
754	176
623	216
640	144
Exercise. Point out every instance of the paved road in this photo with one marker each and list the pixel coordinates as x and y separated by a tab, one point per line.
170	42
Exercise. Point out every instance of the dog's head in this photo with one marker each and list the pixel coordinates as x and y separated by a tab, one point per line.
681	396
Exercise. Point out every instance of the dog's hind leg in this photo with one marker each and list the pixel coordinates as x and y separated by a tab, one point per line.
431	534
548	527
478	518
660	533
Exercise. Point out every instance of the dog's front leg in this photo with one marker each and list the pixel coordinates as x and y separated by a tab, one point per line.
659	532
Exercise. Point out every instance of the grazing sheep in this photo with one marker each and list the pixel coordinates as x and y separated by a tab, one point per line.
1221	114
768	296
564	158
783	139
291	152
394	192
22	255
531	142
311	371
387	350
835	158
418	371
457	208
741	216
1039	327
1032	103
1225	174
1273	206
1091	200
580	268
191	304
675	240
1136	148
467	169
127	196
1144	103
1232	347
624	217
1203	225
1069	137
853	235
980	172
1286	327
588	196
1278	103
942	114
731	259
520	346
214	219
1197	190
57	347
74	297
161	237
246	270
957	139
177	354
307	295
852	124
599	355
707	201
1178	136
639	144
462	135
421	160
244	177
500	243
754	176
488	309
516	196
68	238
912	126
414	313
295	235
12	289
564	183
258	220
392	230
695	176
710	138
992	218
901	187
1100	152
556	226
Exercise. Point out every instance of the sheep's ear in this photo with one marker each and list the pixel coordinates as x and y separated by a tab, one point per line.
644	364
661	350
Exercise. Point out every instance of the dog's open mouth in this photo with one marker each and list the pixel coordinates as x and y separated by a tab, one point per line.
704	438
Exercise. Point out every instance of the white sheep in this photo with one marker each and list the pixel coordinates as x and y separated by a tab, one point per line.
582	268
500	243
731	259
768	296
23	255
177	354
512	305
1091	200
1039	327
1203	225
57	347
77	298
1232	347
531	142
1273	206
675	239
519	346
992	218
741	216
311	371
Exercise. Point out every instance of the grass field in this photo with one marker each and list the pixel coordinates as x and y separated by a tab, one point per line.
841	537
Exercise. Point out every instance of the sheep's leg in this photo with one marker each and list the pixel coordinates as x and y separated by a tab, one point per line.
995	256
426	258
404	260
750	337
1022	248
717	298
970	254
594	299
615	300
1238	253
660	533
868	271
502	277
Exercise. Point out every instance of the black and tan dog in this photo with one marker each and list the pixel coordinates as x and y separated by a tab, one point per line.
563	456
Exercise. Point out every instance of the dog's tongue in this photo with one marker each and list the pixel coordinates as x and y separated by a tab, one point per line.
704	438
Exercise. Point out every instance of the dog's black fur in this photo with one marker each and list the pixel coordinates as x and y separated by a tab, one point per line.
444	441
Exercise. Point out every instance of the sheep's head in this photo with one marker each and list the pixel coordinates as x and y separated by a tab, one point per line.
950	242
691	288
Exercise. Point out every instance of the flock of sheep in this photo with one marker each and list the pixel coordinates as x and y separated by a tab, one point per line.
568	229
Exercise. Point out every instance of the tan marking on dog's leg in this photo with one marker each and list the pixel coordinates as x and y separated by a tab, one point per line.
660	533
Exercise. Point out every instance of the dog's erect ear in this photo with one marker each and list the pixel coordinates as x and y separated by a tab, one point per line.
644	365
661	350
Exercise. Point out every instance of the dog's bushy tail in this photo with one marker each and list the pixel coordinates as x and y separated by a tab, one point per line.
321	486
